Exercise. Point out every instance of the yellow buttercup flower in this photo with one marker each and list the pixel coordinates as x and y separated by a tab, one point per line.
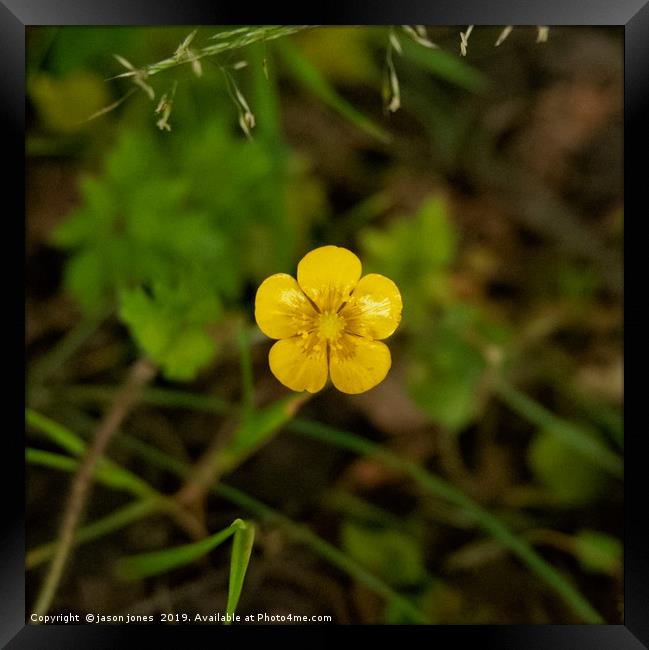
329	322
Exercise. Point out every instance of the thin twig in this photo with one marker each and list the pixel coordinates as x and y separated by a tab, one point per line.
142	372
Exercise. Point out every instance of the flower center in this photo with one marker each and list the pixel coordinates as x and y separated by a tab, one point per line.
330	325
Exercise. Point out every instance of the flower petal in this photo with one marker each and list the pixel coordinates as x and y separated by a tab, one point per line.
328	275
358	364
374	309
281	308
296	368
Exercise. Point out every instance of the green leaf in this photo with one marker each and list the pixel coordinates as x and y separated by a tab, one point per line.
106	473
170	327
598	552
85	277
192	350
149	564
77	228
244	538
309	76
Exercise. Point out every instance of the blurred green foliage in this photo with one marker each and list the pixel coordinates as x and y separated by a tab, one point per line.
65	103
446	336
598	552
389	553
173	229
572	478
354	63
446	369
416	252
167	208
68	49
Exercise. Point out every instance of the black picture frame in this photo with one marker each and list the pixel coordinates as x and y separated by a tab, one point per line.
16	15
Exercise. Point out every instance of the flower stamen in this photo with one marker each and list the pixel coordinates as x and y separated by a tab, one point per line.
330	326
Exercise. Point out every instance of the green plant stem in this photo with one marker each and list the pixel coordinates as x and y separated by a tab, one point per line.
580	440
114	477
140	374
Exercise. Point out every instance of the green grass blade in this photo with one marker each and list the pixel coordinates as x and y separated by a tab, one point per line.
144	565
311	78
56	432
244	538
445	66
107	473
579	439
50	459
